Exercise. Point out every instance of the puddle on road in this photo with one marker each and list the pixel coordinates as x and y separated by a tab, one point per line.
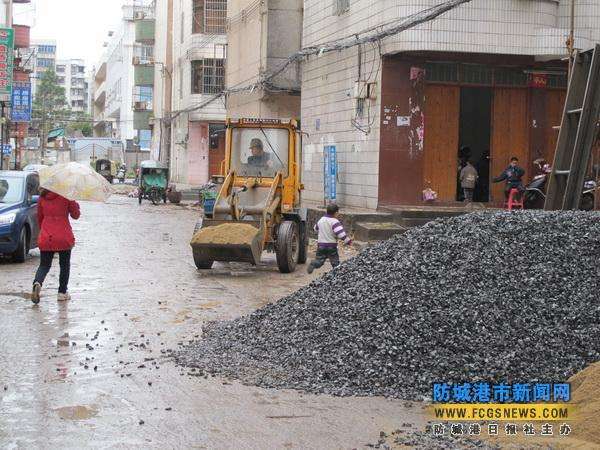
25	295
78	412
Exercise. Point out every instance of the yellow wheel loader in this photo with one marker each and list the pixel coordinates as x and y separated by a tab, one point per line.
258	204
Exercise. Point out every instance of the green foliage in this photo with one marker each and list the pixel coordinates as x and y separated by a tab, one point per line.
83	123
50	105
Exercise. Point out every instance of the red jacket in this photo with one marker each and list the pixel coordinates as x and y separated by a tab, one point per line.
55	229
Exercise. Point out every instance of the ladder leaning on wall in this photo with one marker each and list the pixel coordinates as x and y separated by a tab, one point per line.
578	132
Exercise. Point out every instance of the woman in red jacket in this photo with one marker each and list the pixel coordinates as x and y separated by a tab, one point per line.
56	236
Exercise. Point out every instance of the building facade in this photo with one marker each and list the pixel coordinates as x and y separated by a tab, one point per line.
44	58
260	36
199	53
487	76
113	84
72	77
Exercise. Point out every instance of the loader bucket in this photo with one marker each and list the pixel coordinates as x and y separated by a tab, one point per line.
220	240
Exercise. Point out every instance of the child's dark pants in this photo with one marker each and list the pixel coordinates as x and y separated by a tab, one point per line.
325	253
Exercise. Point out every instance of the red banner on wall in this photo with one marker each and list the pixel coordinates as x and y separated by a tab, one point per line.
538	80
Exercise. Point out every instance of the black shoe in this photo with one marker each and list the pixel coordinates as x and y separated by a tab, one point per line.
35	293
310	269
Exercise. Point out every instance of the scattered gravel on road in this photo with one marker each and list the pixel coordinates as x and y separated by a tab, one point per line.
493	296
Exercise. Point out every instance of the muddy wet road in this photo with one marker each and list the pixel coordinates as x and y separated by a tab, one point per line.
92	372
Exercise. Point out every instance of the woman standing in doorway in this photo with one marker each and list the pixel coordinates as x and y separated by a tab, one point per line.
56	236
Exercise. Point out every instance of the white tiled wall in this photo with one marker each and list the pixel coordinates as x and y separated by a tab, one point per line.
521	27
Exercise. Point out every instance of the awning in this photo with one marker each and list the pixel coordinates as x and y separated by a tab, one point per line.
56	133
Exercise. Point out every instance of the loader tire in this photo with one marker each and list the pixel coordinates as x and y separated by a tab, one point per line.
303	250
202	264
288	246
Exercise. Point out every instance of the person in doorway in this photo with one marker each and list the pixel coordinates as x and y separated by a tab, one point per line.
468	180
513	175
56	236
258	158
329	229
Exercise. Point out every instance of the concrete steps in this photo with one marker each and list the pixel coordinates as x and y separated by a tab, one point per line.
377	231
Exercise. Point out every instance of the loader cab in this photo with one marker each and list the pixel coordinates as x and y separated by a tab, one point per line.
259	152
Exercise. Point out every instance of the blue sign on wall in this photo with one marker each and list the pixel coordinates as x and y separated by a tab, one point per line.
330	172
21	102
7	149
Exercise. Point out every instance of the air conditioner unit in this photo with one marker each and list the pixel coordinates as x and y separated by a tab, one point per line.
141	106
139	15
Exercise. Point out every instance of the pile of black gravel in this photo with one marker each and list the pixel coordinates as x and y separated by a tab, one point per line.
492	296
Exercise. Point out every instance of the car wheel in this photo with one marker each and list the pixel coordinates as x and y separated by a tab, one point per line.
20	254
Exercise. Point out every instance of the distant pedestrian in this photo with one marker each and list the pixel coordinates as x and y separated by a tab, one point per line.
468	180
513	175
56	236
329	229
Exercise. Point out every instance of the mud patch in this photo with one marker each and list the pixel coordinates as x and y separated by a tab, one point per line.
78	412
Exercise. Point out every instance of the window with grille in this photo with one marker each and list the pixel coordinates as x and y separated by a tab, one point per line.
210	16
441	72
505	76
208	76
340	7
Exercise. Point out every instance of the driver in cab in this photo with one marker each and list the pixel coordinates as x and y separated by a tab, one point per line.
259	157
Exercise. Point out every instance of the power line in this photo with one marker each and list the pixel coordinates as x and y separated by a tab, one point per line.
369	35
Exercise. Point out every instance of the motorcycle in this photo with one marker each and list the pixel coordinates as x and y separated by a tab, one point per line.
535	192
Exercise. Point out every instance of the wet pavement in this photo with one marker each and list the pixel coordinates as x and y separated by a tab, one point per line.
94	372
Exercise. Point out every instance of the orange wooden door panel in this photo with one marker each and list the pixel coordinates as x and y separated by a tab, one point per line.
442	115
555	103
510	134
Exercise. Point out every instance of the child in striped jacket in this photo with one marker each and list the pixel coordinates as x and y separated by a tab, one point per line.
330	229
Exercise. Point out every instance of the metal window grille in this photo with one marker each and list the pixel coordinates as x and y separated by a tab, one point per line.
340	7
477	74
510	77
208	76
557	81
210	16
441	72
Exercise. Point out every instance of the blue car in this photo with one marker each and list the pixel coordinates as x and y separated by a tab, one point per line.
19	228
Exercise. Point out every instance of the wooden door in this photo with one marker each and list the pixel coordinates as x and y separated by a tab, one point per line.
440	164
555	103
510	134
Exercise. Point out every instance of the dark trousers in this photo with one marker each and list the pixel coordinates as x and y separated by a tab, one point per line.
468	194
64	259
325	253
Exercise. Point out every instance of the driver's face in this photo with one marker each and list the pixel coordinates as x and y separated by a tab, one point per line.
256	151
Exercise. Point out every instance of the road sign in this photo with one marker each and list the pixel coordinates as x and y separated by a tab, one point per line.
7	149
330	172
7	44
21	102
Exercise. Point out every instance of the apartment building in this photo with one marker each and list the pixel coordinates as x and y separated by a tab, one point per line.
199	53
261	34
72	77
44	58
487	76
113	81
